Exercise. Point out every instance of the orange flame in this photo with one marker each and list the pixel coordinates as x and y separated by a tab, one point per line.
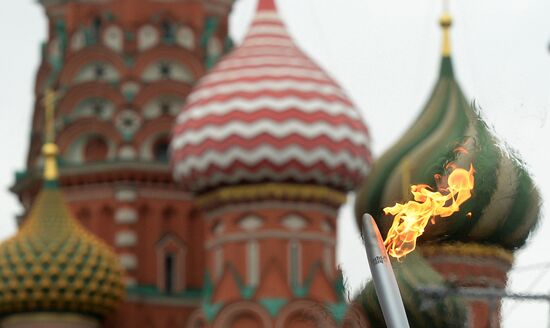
411	219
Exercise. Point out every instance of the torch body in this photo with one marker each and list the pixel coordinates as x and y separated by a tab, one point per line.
383	277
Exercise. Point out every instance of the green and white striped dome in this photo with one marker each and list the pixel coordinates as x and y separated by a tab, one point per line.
505	204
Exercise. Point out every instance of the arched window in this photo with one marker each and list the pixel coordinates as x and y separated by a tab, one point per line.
164	105
95	107
96	149
250	223
113	38
156	148
253	262
295	265
147	37
294	222
167	70
78	40
97	71
169	272
96	28
170	264
164	108
167	31
185	37
160	149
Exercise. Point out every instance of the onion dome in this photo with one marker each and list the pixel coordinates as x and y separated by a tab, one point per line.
268	113
412	273
53	264
505	204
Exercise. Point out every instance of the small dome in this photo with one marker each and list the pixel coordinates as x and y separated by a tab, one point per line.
53	264
505	203
268	113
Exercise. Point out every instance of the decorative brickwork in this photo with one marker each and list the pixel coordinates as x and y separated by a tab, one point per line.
123	69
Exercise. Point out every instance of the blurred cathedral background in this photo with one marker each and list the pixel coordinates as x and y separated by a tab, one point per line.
204	179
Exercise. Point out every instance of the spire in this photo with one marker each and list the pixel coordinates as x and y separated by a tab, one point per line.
266	5
446	22
50	150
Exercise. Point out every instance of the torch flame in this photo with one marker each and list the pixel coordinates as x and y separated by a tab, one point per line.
411	219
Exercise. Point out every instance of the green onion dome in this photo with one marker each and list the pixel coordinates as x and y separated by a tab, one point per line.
53	264
505	203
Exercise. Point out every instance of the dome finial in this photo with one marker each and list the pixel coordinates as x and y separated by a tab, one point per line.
446	21
50	150
267	5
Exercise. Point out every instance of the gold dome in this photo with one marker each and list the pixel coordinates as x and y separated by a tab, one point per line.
53	264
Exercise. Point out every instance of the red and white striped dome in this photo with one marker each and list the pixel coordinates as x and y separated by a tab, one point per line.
268	113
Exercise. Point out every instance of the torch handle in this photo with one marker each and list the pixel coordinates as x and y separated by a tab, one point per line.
383	277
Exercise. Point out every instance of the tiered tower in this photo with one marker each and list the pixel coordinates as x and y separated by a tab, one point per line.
472	248
269	145
123	69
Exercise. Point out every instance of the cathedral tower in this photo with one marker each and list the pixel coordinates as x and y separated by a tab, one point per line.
269	144
123	69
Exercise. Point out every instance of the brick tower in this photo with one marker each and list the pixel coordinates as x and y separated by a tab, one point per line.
269	145
123	69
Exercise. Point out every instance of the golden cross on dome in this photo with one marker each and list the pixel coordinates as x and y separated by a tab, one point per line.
49	106
49	150
446	20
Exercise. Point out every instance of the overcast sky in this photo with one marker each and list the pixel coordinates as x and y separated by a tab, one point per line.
386	55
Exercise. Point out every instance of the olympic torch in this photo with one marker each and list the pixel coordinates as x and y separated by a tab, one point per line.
383	277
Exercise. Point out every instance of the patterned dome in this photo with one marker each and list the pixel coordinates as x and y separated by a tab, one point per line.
53	264
505	205
268	113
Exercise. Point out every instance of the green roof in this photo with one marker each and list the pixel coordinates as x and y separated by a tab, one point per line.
505	204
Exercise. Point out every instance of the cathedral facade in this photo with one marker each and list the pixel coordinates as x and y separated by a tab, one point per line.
189	182
239	228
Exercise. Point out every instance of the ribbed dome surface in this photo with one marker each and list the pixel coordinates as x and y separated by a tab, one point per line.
268	113
505	204
54	265
471	248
